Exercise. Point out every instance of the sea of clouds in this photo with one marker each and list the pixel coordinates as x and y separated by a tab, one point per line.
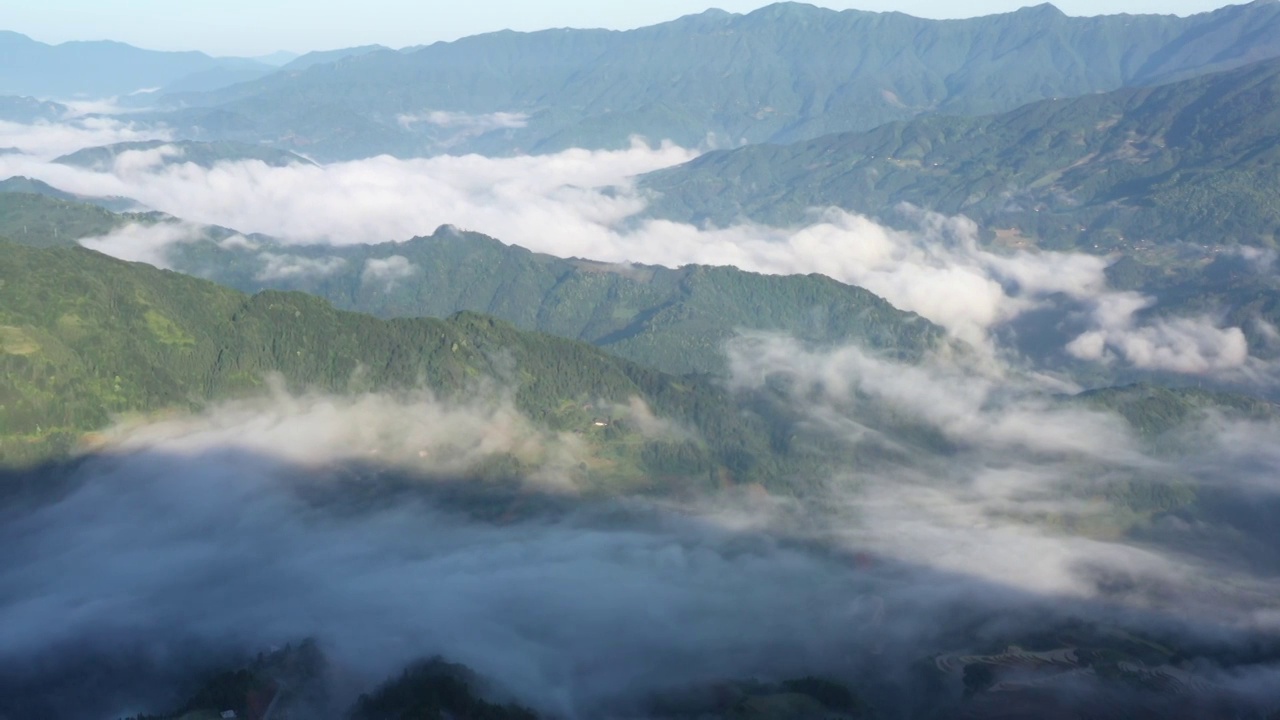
584	203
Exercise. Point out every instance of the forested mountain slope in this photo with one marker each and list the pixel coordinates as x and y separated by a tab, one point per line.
674	319
203	154
1194	161
84	337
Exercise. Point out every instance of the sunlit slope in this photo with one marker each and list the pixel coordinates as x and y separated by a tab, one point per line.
676	320
99	69
84	336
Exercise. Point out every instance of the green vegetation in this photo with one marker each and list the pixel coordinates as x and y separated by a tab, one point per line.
675	320
42	220
783	73
86	337
1154	411
1194	161
289	682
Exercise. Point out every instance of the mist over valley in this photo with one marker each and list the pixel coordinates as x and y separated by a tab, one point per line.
788	364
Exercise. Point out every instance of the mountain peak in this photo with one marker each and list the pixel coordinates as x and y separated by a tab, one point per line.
786	11
1041	10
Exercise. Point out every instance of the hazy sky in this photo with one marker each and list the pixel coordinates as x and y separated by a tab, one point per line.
251	27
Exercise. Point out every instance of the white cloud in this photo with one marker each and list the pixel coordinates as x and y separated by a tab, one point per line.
582	203
1182	345
46	141
957	398
1022	478
471	124
388	270
138	242
278	266
133	162
78	107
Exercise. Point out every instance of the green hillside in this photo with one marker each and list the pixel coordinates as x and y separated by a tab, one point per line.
674	319
296	678
53	219
1153	410
84	337
783	73
1194	161
29	186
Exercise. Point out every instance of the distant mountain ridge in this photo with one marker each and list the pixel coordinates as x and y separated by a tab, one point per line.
84	336
99	69
321	57
783	73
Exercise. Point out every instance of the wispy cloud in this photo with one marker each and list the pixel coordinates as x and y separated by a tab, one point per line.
281	266
465	122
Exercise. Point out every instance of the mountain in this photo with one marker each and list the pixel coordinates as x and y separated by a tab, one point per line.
84	337
1193	161
784	73
182	151
1153	410
28	110
100	68
321	57
27	186
676	320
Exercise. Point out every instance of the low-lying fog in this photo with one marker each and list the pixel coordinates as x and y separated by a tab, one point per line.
193	541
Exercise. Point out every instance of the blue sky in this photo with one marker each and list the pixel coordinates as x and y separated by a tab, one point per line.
251	27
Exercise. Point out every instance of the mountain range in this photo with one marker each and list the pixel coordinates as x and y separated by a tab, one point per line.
99	69
786	72
676	320
1191	161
